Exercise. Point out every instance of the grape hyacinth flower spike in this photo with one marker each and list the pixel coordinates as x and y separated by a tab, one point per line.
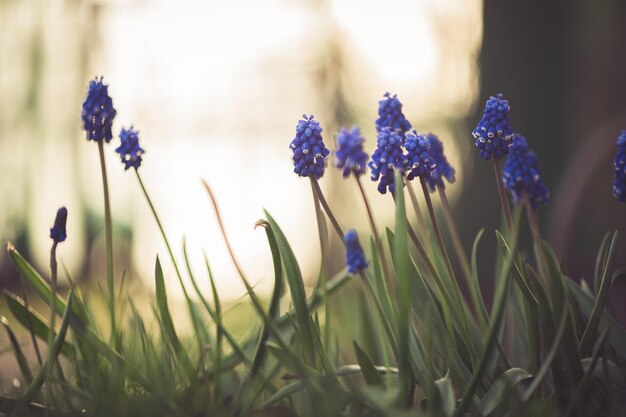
390	115
98	112
309	151
442	169
57	232
129	149
619	166
355	258
419	161
350	154
387	157
521	174
493	133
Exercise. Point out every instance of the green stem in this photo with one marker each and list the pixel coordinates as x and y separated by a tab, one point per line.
108	237
424	231
53	286
504	202
377	241
329	212
460	253
323	236
165	240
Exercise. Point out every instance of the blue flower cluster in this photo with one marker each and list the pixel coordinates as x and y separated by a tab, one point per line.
442	169
493	133
521	173
129	149
419	161
390	115
309	151
355	258
57	232
350	154
619	166
98	112
388	156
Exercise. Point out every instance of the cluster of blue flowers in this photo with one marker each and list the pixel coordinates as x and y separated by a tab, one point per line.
355	258
390	115
442	169
350	155
493	133
98	114
129	149
309	151
420	163
619	166
57	232
521	174
388	157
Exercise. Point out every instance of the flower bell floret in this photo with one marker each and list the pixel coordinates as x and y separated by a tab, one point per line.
521	174
129	150
390	115
442	169
387	157
98	112
57	232
309	151
355	258
493	133
419	161
619	166
350	154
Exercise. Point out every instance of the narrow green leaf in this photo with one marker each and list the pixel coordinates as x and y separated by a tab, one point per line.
370	374
494	397
296	287
446	393
17	351
167	323
601	297
29	317
53	353
479	301
601	261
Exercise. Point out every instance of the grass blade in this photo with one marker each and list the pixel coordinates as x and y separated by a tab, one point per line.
17	350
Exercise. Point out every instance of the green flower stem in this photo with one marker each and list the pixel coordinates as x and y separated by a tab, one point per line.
108	237
460	253
166	241
329	212
533	222
53	286
504	202
444	252
424	231
377	241
323	236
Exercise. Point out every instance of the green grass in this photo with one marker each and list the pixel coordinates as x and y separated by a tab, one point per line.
400	340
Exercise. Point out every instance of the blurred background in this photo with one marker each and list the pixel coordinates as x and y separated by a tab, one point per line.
216	90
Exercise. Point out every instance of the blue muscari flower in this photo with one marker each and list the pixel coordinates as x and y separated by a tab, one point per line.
129	149
619	165
57	232
521	173
349	154
98	112
419	161
442	169
388	156
355	258
309	151
390	115
493	133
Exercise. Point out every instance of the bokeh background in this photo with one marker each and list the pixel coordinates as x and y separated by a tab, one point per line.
216	90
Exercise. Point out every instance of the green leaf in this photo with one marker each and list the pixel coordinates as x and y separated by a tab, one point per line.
296	287
602	297
167	323
494	397
53	353
479	301
617	334
370	374
601	261
29	317
17	351
446	394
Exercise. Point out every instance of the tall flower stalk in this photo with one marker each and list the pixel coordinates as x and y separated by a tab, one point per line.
97	115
